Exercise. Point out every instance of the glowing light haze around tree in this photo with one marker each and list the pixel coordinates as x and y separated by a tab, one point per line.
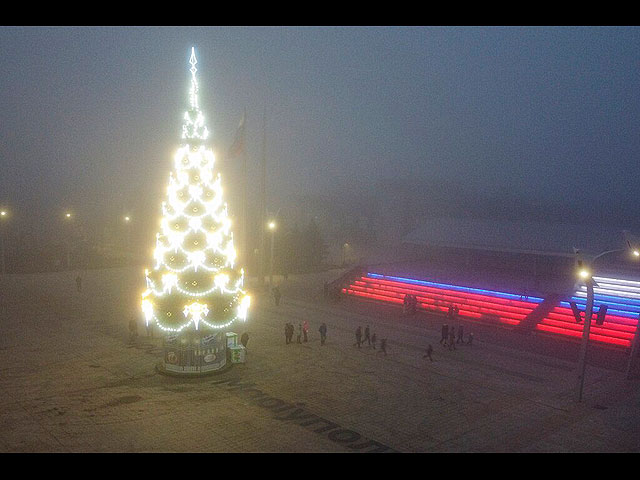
194	283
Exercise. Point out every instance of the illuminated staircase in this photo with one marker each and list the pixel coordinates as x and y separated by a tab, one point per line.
623	300
552	315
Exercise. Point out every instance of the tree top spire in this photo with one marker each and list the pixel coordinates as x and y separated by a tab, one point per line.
193	127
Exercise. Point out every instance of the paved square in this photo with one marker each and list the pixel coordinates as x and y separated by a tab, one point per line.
71	382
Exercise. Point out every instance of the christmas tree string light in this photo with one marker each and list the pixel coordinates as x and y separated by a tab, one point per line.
194	282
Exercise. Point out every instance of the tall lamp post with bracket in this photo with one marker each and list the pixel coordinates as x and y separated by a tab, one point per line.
585	274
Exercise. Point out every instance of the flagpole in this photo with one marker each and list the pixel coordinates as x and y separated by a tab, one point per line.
263	207
245	251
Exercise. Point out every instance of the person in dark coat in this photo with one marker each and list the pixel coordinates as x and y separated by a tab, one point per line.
429	352
460	334
244	339
323	333
445	333
383	346
358	336
276	295
367	338
290	332
286	333
133	329
452	338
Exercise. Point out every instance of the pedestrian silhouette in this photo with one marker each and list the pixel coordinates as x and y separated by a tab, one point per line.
460	336
383	346
445	333
244	339
366	335
452	339
470	341
305	330
358	336
373	340
299	338
429	352
323	333
276	295
133	329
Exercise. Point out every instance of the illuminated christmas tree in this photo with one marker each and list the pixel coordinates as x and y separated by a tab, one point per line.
195	289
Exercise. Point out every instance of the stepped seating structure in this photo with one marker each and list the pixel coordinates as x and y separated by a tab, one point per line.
513	309
623	299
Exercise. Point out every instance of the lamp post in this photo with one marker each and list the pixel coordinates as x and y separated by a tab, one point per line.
272	227
587	277
68	218
344	253
127	221
3	217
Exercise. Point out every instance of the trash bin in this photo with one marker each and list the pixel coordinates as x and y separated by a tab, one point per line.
232	339
238	354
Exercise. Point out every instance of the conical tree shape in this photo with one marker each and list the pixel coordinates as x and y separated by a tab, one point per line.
194	283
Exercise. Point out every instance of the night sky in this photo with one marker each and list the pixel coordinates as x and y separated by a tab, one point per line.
90	117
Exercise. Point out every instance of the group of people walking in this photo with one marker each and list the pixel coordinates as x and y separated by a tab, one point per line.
450	339
371	339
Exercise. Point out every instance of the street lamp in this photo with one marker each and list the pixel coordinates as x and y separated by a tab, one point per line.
3	216
344	253
127	221
67	216
272	227
586	276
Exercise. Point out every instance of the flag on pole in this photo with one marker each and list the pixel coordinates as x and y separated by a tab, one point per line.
238	142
